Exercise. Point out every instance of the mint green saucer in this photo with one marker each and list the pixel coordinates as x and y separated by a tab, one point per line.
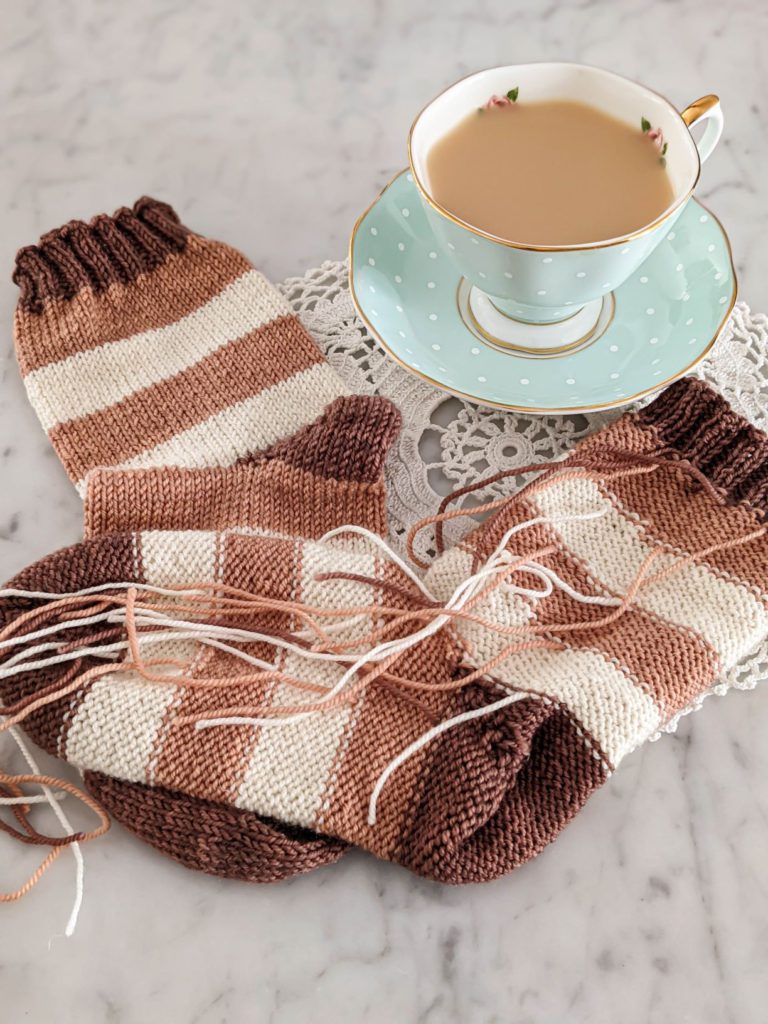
655	327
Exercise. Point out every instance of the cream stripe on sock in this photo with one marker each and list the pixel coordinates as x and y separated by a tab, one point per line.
290	764
97	378
115	727
174	557
616	712
246	427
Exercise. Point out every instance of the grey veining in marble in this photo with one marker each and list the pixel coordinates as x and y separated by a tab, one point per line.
271	125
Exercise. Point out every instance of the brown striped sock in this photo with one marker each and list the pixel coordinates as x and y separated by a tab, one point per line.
327	475
143	344
673	497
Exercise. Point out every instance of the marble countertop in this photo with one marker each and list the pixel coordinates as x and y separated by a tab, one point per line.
271	126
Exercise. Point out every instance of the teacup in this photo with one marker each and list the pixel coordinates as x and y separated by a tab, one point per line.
561	290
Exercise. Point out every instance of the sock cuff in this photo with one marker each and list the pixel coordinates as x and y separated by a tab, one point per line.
104	251
699	424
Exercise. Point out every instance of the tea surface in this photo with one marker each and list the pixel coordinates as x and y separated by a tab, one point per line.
552	172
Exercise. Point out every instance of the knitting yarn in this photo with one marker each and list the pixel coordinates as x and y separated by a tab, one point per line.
143	344
452	723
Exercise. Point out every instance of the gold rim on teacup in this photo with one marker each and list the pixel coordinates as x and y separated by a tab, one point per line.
528	409
690	116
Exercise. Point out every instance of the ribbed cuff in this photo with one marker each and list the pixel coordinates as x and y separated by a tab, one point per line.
700	425
106	250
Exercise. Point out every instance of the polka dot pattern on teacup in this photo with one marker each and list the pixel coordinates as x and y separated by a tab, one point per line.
406	283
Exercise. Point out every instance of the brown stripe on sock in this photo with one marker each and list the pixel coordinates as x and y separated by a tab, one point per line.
270	496
350	441
176	288
499	790
232	374
267	566
627	433
106	560
383	724
700	424
484	538
209	763
687	667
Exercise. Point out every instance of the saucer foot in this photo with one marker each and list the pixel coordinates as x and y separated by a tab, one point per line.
544	341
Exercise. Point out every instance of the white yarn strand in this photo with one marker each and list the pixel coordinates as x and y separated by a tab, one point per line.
39	798
379	542
427	737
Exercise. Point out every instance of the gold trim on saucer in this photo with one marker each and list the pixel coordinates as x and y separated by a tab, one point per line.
528	350
532	410
607	243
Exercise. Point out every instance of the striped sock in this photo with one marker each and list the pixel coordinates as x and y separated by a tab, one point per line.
143	344
470	746
327	475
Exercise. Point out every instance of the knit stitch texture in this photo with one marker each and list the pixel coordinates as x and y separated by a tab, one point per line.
143	344
659	517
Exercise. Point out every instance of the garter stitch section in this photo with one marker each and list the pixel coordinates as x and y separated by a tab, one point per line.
653	530
143	344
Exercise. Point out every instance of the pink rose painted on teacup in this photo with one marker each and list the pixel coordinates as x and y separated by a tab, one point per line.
506	100
656	135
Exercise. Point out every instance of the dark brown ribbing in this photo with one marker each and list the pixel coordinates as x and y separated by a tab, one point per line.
213	837
697	422
350	441
95	255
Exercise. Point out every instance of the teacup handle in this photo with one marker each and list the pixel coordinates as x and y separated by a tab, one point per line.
705	109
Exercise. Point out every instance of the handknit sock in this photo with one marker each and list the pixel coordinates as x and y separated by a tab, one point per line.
327	475
631	582
144	344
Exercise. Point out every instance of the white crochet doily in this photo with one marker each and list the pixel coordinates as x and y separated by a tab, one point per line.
447	443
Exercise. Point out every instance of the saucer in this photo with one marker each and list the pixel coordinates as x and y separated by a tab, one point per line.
651	330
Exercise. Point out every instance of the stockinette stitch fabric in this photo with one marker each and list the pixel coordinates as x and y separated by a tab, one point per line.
144	344
582	618
326	475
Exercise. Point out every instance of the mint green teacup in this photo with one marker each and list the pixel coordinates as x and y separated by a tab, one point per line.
563	290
